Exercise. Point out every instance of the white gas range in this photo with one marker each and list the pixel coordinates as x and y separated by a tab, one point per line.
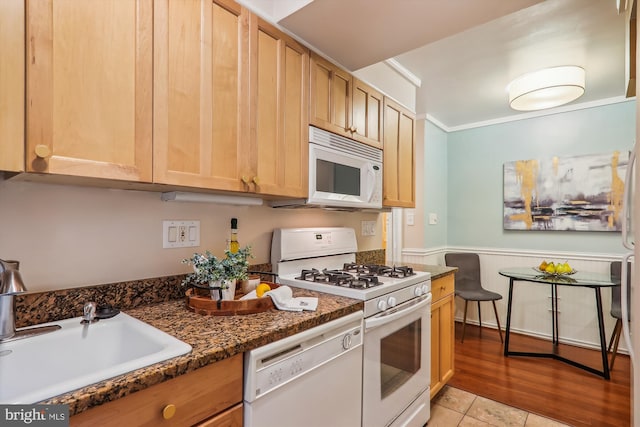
397	318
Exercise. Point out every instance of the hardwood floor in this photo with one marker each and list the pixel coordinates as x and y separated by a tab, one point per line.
542	386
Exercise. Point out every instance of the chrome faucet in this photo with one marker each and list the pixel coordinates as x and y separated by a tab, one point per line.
89	313
10	285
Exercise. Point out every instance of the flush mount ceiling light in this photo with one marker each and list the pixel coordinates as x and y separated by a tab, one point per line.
546	88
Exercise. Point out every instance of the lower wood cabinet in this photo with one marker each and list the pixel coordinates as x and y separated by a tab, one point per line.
442	332
209	396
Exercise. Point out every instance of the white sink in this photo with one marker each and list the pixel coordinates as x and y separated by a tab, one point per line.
37	368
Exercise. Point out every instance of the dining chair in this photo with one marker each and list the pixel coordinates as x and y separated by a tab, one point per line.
616	309
468	285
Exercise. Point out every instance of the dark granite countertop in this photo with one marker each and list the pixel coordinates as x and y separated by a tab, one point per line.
213	338
436	271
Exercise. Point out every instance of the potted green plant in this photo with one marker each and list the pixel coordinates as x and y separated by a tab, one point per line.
219	275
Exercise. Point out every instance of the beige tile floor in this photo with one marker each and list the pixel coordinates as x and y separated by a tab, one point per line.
453	407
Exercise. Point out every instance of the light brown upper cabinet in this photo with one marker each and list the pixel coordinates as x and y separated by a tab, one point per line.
89	88
12	85
279	105
399	159
342	104
231	96
201	98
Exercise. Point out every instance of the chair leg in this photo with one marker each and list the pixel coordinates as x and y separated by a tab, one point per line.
464	321
614	333
617	330
479	317
495	310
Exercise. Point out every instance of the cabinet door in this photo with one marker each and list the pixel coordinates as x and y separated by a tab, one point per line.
435	351
367	109
279	115
89	93
399	162
12	85
330	106
442	342
200	94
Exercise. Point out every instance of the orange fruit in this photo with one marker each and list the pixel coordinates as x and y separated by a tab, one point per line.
262	288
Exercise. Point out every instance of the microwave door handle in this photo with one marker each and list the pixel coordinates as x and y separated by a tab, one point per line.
626	201
371	181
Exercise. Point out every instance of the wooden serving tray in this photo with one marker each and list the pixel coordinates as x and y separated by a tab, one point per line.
203	304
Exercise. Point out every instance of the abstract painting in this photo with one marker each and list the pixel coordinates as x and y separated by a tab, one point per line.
582	193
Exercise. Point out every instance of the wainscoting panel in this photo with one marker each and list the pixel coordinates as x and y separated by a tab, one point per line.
531	308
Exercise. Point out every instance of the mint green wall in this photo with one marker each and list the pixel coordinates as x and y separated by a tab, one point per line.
475	158
435	185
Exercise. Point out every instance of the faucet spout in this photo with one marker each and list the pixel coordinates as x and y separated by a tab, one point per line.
89	313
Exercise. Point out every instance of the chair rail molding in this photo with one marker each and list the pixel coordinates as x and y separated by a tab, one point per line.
577	308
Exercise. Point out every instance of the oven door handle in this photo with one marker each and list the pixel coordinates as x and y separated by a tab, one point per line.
389	316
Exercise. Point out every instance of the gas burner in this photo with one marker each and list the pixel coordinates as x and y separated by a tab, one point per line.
309	275
402	271
364	281
369	269
327	276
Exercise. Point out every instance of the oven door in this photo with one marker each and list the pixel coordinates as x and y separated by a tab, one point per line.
397	361
341	179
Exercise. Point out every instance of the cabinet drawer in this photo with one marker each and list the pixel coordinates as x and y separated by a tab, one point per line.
442	286
197	396
232	417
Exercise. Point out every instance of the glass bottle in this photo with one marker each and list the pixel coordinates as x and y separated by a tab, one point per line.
233	244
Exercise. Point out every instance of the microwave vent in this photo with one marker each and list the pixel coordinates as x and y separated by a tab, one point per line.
345	145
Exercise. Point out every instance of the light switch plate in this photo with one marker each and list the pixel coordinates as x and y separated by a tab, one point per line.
411	217
433	219
368	228
180	234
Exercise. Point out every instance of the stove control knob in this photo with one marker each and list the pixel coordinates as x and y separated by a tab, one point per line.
382	305
346	342
417	291
425	289
392	301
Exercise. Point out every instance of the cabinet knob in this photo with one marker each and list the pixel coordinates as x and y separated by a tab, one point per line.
354	129
169	411
245	180
255	180
42	151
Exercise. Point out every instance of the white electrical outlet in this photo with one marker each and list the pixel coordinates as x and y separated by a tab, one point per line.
433	219
368	228
180	234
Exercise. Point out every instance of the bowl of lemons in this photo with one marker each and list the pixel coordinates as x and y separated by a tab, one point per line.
555	269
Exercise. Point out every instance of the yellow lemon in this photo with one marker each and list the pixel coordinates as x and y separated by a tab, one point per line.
262	288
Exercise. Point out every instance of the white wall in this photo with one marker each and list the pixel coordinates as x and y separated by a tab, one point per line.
68	236
532	301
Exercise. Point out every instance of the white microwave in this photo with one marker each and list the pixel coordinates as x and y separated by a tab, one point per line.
343	173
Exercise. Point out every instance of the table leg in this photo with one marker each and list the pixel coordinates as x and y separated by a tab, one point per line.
506	335
603	344
554	315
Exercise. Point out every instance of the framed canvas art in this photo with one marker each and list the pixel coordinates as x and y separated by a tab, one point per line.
582	193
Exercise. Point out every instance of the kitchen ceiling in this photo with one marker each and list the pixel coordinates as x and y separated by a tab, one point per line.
465	52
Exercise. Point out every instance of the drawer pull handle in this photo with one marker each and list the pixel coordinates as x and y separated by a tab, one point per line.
42	151
169	411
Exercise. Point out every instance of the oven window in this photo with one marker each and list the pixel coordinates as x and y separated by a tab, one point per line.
336	178
399	357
